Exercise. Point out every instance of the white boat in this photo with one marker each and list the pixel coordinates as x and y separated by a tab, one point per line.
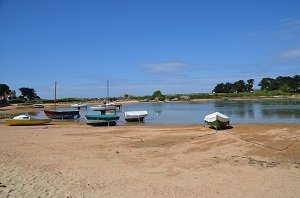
103	108
38	106
79	105
217	120
22	120
135	116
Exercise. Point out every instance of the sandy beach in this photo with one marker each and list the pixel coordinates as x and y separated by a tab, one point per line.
66	159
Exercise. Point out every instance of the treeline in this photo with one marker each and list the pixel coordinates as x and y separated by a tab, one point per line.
281	83
236	87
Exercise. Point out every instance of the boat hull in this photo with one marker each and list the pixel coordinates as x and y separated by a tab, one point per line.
102	120
62	114
218	124
14	122
135	119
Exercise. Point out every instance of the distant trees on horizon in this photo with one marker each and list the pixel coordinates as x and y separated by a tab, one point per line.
26	93
281	83
236	87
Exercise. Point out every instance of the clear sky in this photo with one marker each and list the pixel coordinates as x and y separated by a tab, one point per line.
176	46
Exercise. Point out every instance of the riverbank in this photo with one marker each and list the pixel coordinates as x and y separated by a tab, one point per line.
66	159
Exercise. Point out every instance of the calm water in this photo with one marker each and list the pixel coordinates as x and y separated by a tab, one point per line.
193	113
238	111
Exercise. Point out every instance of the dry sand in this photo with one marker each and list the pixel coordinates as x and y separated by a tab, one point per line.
73	160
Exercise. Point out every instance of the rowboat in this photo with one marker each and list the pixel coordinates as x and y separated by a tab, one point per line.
135	116
106	119
217	120
23	120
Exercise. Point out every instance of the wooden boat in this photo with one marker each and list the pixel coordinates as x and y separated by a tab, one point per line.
135	116
217	120
102	119
61	114
23	120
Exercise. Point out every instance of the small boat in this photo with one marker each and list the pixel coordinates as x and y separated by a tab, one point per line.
23	120
79	105
102	119
103	108
135	116
38	106
217	120
62	114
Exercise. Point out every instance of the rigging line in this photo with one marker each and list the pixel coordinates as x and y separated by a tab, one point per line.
270	147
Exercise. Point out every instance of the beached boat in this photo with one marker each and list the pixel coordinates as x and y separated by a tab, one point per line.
102	119
38	106
217	120
23	120
61	114
135	116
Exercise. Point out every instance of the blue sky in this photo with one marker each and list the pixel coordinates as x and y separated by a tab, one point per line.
176	46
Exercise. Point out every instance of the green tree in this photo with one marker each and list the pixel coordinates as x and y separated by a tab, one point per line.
4	89
266	84
239	86
158	94
29	93
249	85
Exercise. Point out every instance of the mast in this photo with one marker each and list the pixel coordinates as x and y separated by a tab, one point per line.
54	95
107	90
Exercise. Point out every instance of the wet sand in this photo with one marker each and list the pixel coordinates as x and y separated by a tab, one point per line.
66	159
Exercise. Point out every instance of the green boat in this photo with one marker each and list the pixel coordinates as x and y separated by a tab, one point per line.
102	119
217	120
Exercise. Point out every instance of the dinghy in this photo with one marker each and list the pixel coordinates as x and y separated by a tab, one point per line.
135	116
217	120
23	120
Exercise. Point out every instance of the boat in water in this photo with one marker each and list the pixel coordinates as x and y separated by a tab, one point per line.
79	105
102	119
103	108
135	116
24	120
61	114
217	120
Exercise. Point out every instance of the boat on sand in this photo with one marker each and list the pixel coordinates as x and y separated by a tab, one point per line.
102	119
61	114
23	120
217	120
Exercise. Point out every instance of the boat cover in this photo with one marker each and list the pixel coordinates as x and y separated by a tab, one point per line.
216	116
135	113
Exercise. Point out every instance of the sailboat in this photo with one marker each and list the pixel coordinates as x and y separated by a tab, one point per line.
104	118
61	114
